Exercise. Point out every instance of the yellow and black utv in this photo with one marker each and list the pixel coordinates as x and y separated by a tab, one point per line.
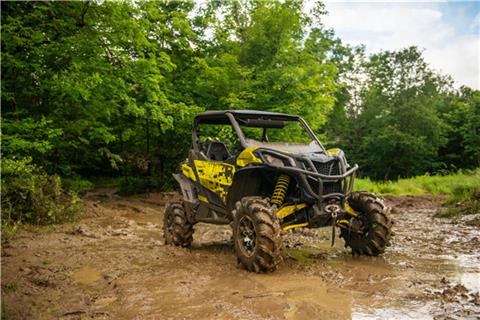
264	173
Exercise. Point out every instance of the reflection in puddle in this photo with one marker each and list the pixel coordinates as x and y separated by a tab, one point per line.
390	313
471	281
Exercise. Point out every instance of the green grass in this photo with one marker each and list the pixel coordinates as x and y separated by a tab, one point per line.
77	184
460	186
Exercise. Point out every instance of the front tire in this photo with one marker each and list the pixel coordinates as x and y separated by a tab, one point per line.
256	235
374	223
176	228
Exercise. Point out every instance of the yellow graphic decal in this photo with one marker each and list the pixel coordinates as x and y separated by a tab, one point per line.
187	171
247	157
215	176
350	211
202	198
295	226
288	210
333	151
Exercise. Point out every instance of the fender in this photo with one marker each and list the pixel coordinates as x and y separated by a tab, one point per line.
187	187
250	181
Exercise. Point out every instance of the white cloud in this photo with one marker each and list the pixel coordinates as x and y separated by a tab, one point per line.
392	26
459	58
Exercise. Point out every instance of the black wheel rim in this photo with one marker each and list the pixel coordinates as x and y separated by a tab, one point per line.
247	236
365	227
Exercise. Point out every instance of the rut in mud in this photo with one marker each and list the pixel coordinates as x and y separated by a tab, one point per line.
113	264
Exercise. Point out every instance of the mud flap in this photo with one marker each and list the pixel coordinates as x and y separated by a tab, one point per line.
188	190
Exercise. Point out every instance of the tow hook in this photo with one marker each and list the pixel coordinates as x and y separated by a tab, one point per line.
333	209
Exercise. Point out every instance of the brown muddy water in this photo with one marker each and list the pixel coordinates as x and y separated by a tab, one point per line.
113	264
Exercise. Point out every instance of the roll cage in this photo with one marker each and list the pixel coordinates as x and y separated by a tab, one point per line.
249	118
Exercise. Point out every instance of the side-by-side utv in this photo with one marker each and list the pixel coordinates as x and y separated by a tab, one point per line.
264	173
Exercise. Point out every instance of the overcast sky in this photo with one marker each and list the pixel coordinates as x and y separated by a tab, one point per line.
447	31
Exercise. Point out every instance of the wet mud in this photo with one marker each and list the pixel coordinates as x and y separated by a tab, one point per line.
113	264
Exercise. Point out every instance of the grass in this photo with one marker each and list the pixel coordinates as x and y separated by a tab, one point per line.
77	184
459	185
462	190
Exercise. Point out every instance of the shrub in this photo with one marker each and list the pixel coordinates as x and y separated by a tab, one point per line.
29	195
77	184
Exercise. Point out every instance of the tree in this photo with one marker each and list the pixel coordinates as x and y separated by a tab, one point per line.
87	80
393	114
461	115
266	55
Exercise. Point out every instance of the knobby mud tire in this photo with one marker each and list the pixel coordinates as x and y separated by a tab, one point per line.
378	225
266	254
176	228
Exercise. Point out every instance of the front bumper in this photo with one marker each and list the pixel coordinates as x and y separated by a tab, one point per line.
311	174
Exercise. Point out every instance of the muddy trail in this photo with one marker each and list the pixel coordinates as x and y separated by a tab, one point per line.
113	264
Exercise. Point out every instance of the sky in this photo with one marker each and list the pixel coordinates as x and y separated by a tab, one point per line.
448	31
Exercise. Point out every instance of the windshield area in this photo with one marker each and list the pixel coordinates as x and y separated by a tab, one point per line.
287	135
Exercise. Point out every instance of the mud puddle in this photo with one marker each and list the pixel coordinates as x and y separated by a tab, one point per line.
86	275
113	264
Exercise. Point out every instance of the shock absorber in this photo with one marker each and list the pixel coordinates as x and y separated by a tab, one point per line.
280	190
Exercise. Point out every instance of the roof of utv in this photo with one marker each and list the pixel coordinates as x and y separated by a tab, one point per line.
220	116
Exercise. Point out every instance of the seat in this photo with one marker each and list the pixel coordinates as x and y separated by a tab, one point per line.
217	151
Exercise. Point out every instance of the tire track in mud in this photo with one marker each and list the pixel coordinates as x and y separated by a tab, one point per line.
113	264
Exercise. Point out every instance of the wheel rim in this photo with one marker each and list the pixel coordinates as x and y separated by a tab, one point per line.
365	227
247	236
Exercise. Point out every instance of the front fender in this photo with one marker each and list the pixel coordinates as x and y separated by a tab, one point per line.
250	181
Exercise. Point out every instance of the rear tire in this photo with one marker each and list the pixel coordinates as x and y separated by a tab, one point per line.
256	235
376	225
176	228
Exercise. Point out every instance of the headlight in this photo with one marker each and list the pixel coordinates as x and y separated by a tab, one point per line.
273	160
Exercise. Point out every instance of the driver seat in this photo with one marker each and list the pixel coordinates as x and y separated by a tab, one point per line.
217	151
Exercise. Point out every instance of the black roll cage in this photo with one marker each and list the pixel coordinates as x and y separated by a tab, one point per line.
228	117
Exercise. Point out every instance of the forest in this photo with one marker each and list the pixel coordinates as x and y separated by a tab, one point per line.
104	93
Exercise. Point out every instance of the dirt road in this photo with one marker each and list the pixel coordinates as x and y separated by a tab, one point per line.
113	265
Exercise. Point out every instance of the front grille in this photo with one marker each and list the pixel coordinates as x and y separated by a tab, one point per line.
330	168
332	187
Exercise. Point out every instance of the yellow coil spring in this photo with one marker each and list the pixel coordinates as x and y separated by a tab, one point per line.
280	190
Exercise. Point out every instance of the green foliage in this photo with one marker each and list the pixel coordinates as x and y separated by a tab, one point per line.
111	89
396	116
77	184
460	186
31	196
463	199
81	82
461	116
28	137
267	55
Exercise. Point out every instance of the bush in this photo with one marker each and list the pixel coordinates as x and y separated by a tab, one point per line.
77	184
29	195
